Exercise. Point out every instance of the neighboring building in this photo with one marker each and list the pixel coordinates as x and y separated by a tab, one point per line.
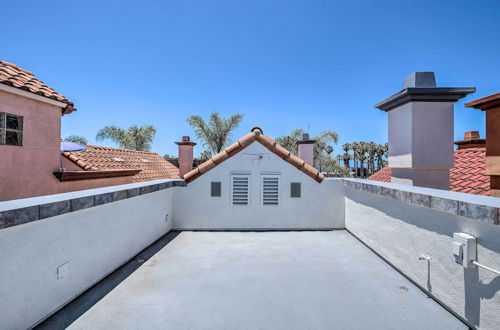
468	174
112	166
30	129
30	139
259	181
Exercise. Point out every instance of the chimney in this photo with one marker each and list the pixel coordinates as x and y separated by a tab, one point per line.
306	149
421	130
471	140
491	105
185	155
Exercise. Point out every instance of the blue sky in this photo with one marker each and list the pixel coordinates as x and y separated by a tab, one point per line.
283	64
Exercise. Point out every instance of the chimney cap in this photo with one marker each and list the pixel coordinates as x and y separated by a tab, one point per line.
471	135
420	80
186	141
421	87
306	139
472	139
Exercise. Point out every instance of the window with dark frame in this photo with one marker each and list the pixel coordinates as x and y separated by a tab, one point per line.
11	129
215	189
295	189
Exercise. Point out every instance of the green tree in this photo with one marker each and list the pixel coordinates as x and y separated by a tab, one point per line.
215	134
76	139
346	156
323	150
381	155
372	151
134	138
323	146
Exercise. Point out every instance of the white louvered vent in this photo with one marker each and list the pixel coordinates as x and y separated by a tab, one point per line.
270	190
239	190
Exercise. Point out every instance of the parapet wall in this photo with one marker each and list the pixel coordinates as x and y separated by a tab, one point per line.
55	247
405	225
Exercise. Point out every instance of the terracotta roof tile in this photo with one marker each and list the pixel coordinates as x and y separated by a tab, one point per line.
244	142
152	165
468	174
383	175
14	76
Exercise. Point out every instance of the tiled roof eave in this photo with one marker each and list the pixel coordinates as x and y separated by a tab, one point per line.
14	78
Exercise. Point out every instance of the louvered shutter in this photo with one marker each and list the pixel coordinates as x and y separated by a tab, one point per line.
240	190
270	190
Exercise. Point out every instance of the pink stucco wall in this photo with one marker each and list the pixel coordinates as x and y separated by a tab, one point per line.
94	183
26	171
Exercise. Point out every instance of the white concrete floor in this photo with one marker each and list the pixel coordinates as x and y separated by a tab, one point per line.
268	280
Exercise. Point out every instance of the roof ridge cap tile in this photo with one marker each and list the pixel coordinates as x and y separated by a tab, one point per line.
244	142
120	149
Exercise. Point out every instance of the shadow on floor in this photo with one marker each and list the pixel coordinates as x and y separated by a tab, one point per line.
77	307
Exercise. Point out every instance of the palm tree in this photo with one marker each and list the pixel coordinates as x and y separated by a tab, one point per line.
355	156
76	139
371	149
362	151
289	142
134	138
382	156
215	134
346	157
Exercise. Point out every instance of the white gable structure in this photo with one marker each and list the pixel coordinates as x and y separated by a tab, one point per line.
257	188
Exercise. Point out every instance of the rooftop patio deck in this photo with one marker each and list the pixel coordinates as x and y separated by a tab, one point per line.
266	280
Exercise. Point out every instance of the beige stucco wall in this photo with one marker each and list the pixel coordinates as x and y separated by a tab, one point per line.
27	171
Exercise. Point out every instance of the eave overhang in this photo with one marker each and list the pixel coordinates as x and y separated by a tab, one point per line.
90	175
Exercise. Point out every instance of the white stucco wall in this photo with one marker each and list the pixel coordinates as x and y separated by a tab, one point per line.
90	243
321	205
402	232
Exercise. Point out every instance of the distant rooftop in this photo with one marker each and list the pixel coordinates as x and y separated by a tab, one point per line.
468	174
152	165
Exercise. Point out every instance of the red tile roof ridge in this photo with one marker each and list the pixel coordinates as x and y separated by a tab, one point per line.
244	142
120	149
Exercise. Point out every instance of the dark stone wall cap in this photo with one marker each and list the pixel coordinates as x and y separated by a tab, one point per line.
437	94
